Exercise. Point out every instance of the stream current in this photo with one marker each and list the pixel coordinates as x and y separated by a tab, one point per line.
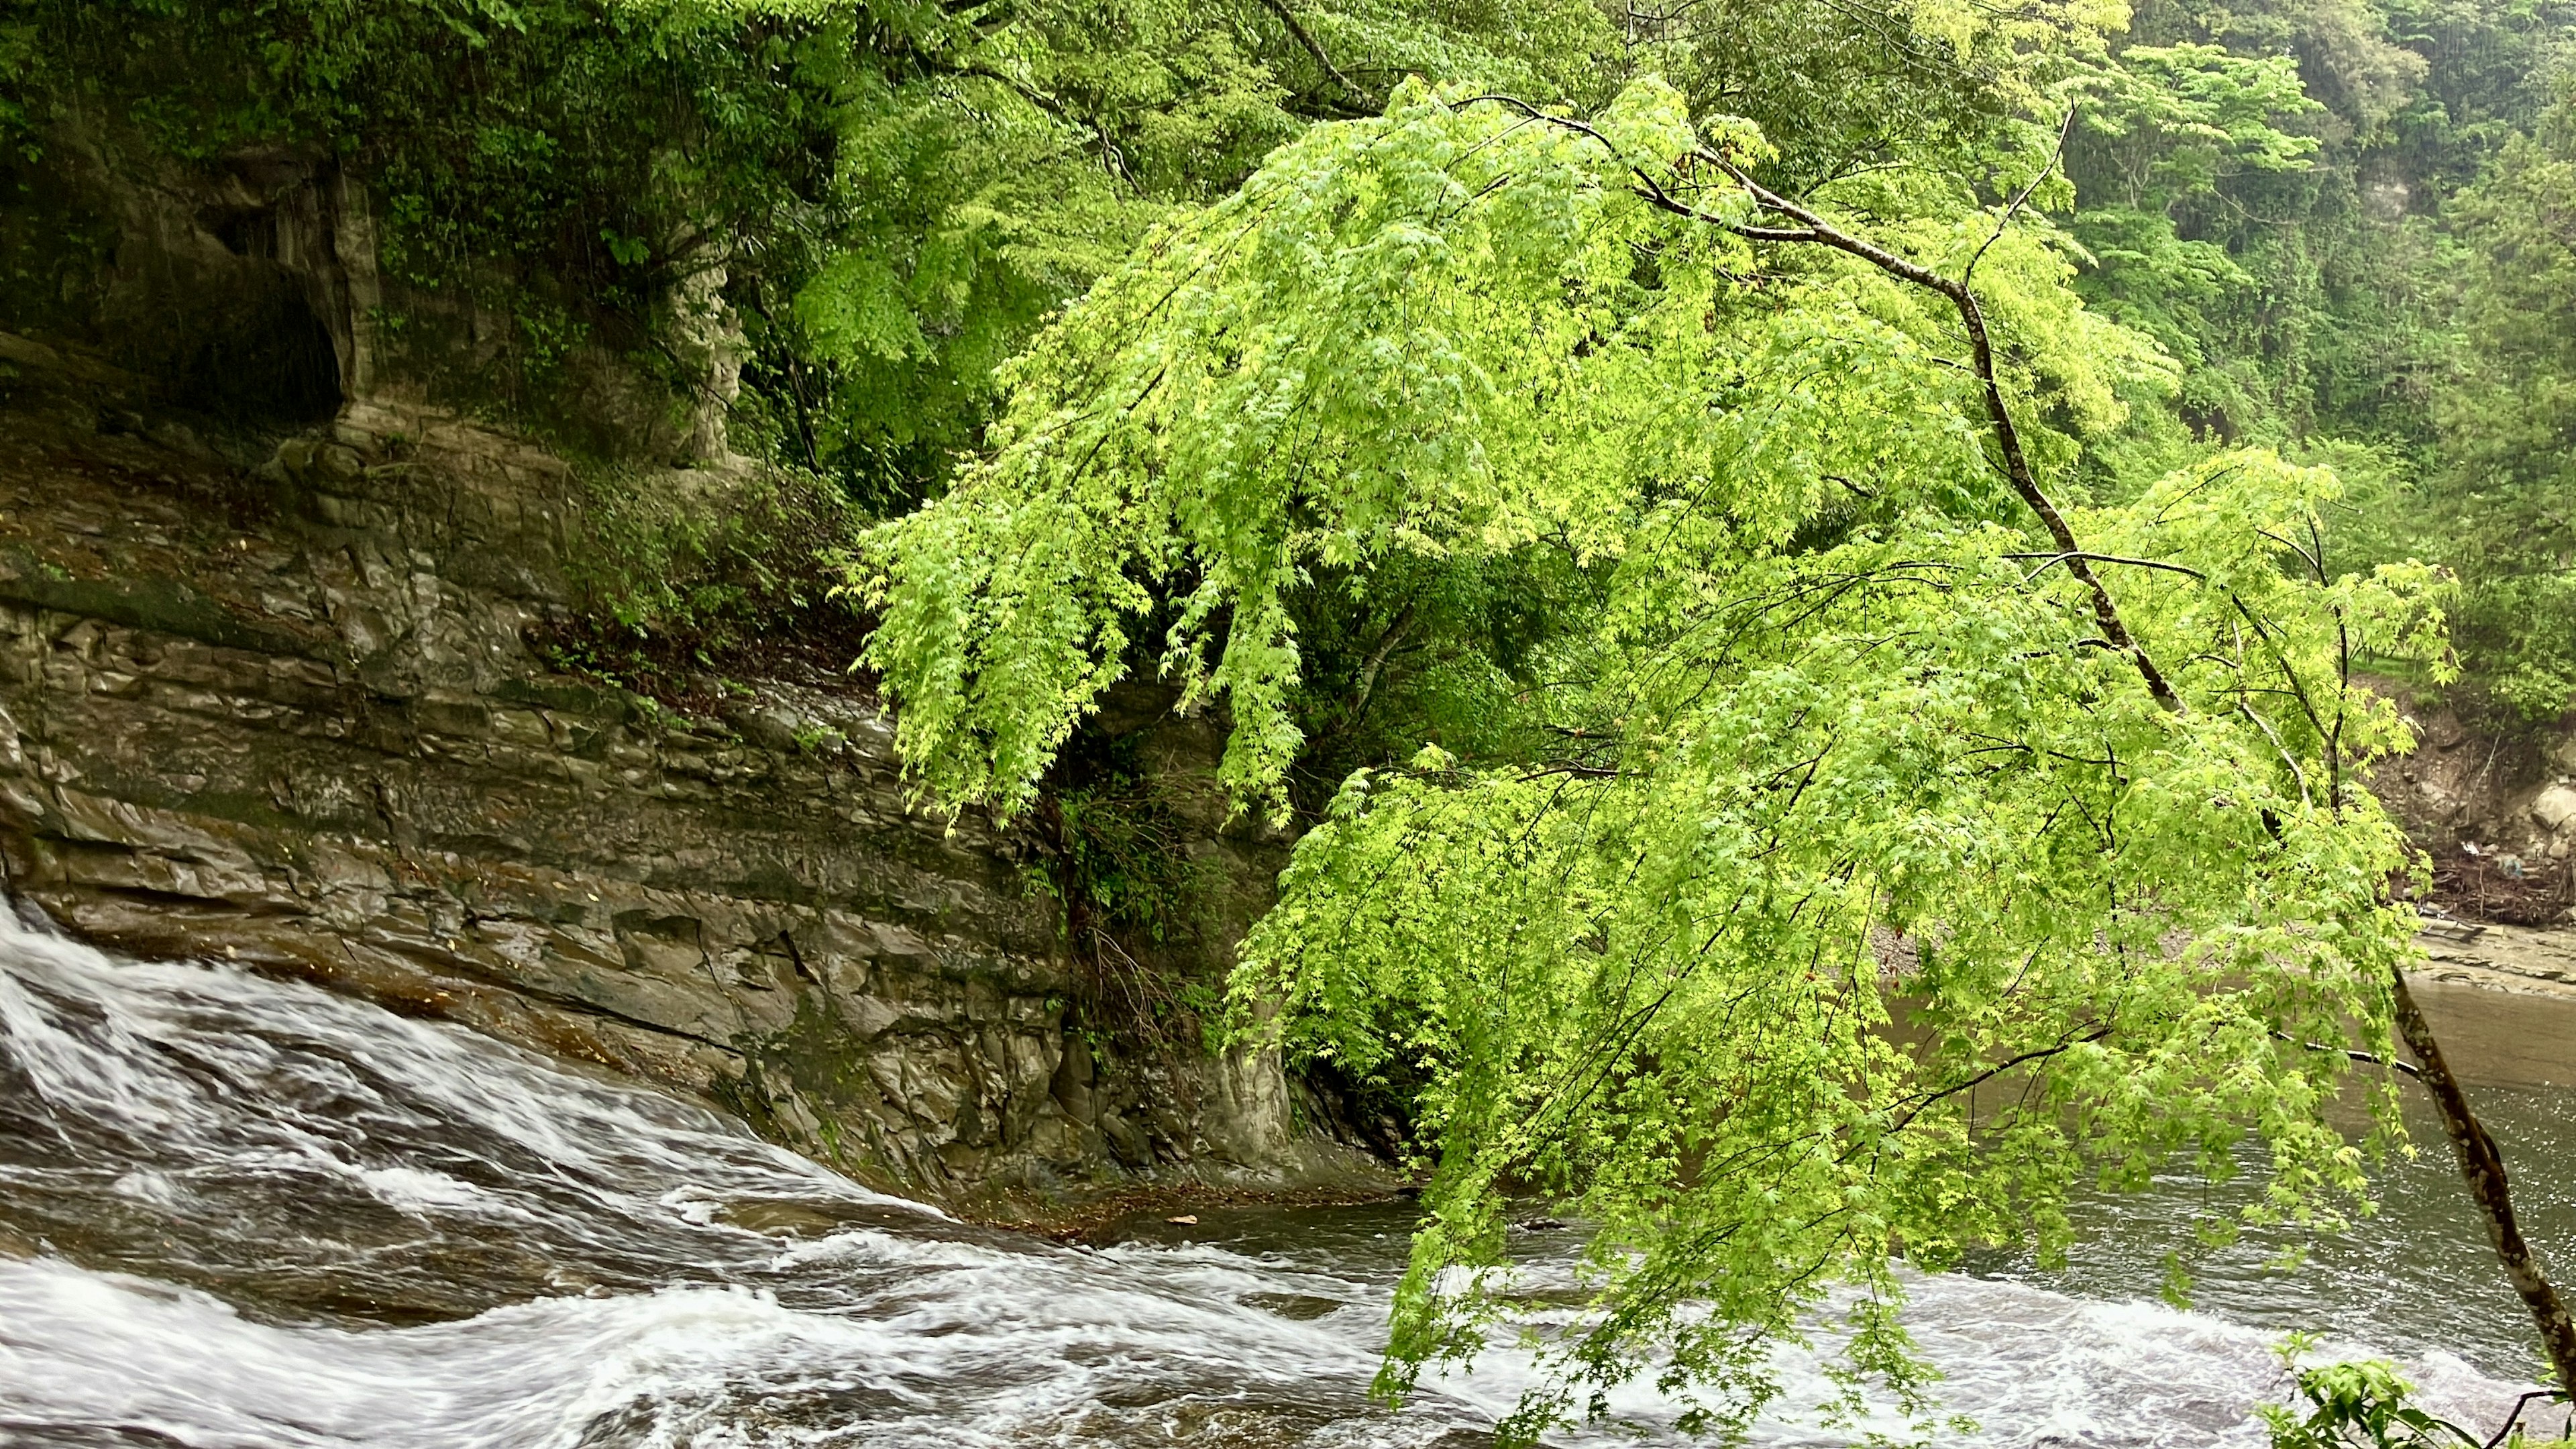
245	1213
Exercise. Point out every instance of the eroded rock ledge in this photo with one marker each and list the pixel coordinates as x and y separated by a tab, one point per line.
286	716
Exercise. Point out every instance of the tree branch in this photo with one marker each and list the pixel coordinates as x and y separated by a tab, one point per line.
2365	1058
1298	33
1377	657
2021	198
2054	559
2515	1417
2017	468
1997	1070
1813	229
2482	1166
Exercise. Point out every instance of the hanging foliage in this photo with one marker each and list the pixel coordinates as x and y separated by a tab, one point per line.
1898	863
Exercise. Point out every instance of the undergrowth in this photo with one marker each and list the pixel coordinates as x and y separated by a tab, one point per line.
688	585
1130	898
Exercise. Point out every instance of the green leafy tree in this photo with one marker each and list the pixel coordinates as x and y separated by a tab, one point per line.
2505	504
1903	848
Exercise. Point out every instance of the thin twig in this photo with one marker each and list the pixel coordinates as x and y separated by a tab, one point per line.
1997	1070
2013	208
1297	32
2516	1416
2054	559
2365	1058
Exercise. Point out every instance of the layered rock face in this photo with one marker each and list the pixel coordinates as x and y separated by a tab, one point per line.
287	716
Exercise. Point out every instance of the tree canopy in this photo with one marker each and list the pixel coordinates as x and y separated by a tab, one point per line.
1853	787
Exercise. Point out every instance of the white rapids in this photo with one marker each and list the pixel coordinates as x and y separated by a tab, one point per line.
237	1213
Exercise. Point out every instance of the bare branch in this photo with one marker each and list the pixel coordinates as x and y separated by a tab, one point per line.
2020	199
2287	758
1376	661
2371	1059
1580	772
1997	1070
2054	559
2515	1417
1298	33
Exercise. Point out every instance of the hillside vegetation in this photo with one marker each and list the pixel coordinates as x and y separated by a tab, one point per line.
2332	228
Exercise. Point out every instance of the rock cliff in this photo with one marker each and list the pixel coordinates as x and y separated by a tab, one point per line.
269	694
287	715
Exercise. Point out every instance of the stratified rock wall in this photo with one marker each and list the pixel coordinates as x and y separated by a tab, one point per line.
285	716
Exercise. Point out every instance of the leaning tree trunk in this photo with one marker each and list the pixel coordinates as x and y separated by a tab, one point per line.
2483	1167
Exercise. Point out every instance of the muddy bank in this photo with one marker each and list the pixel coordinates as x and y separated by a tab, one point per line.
2492	802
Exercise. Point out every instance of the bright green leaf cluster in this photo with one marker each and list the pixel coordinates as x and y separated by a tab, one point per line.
1867	901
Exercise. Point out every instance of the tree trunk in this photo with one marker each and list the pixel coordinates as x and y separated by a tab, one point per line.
2483	1168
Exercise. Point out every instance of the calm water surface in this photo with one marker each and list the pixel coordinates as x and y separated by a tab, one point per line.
237	1212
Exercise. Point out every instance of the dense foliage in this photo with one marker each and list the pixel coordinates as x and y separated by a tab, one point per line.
1845	798
887	198
2332	216
2506	477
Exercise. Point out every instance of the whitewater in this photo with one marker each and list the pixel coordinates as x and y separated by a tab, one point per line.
242	1213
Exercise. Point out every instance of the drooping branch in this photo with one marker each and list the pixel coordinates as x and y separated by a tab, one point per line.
1812	229
2483	1168
2515	1417
1924	1104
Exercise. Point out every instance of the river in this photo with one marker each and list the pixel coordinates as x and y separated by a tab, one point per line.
245	1213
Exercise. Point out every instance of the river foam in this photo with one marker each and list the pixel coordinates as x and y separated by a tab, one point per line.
237	1213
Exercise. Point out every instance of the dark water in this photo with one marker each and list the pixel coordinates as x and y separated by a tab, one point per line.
235	1212
2420	1277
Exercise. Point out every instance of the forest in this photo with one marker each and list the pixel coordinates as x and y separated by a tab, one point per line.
1820	582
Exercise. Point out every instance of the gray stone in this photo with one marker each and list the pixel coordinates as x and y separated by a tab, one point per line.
2554	807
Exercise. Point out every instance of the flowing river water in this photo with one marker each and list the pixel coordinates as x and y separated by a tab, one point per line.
240	1212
